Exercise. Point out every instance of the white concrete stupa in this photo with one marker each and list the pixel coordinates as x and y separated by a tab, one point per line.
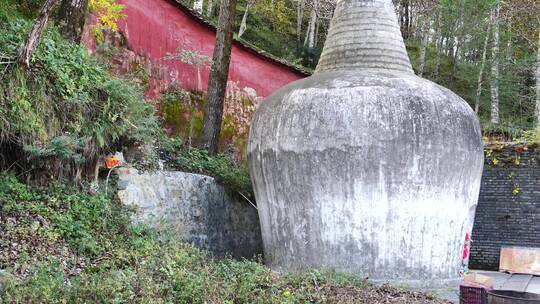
365	167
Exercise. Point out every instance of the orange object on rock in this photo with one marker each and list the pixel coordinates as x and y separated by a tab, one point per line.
112	162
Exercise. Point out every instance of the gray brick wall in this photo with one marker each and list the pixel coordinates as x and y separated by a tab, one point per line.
505	217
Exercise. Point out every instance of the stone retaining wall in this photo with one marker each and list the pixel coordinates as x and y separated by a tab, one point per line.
195	208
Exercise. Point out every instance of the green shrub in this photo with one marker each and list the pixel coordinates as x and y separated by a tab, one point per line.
66	111
234	177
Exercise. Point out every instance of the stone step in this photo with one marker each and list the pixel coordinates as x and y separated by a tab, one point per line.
534	285
517	282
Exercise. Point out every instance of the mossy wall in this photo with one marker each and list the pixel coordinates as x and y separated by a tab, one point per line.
183	113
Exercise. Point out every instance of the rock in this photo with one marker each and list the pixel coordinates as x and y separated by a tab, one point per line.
122	184
195	208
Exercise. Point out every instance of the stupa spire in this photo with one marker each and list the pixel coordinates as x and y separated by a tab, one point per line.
364	34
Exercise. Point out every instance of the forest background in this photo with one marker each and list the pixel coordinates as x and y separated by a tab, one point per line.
484	50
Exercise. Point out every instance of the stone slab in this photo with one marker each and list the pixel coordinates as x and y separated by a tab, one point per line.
534	285
517	282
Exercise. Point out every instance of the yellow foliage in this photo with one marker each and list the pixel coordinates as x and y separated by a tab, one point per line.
109	13
277	13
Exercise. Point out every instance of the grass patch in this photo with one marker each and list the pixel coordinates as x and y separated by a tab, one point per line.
63	246
235	177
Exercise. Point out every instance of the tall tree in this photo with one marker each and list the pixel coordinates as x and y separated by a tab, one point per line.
299	20
481	72
72	17
426	10
424	39
26	51
495	119
457	41
525	21
217	84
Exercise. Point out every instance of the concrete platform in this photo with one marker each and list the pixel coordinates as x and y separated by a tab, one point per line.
502	281
515	282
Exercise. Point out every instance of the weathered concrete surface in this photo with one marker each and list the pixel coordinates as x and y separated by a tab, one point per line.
196	208
371	173
365	167
364	34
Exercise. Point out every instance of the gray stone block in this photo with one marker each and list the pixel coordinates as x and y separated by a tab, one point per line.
194	208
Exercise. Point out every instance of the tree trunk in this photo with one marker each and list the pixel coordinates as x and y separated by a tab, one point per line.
458	41
72	17
457	49
509	48
310	35
209	8
438	46
316	33
313	27
405	19
481	73
26	51
217	84
424	32
308	29
243	25
537	112
495	68
299	20
198	6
